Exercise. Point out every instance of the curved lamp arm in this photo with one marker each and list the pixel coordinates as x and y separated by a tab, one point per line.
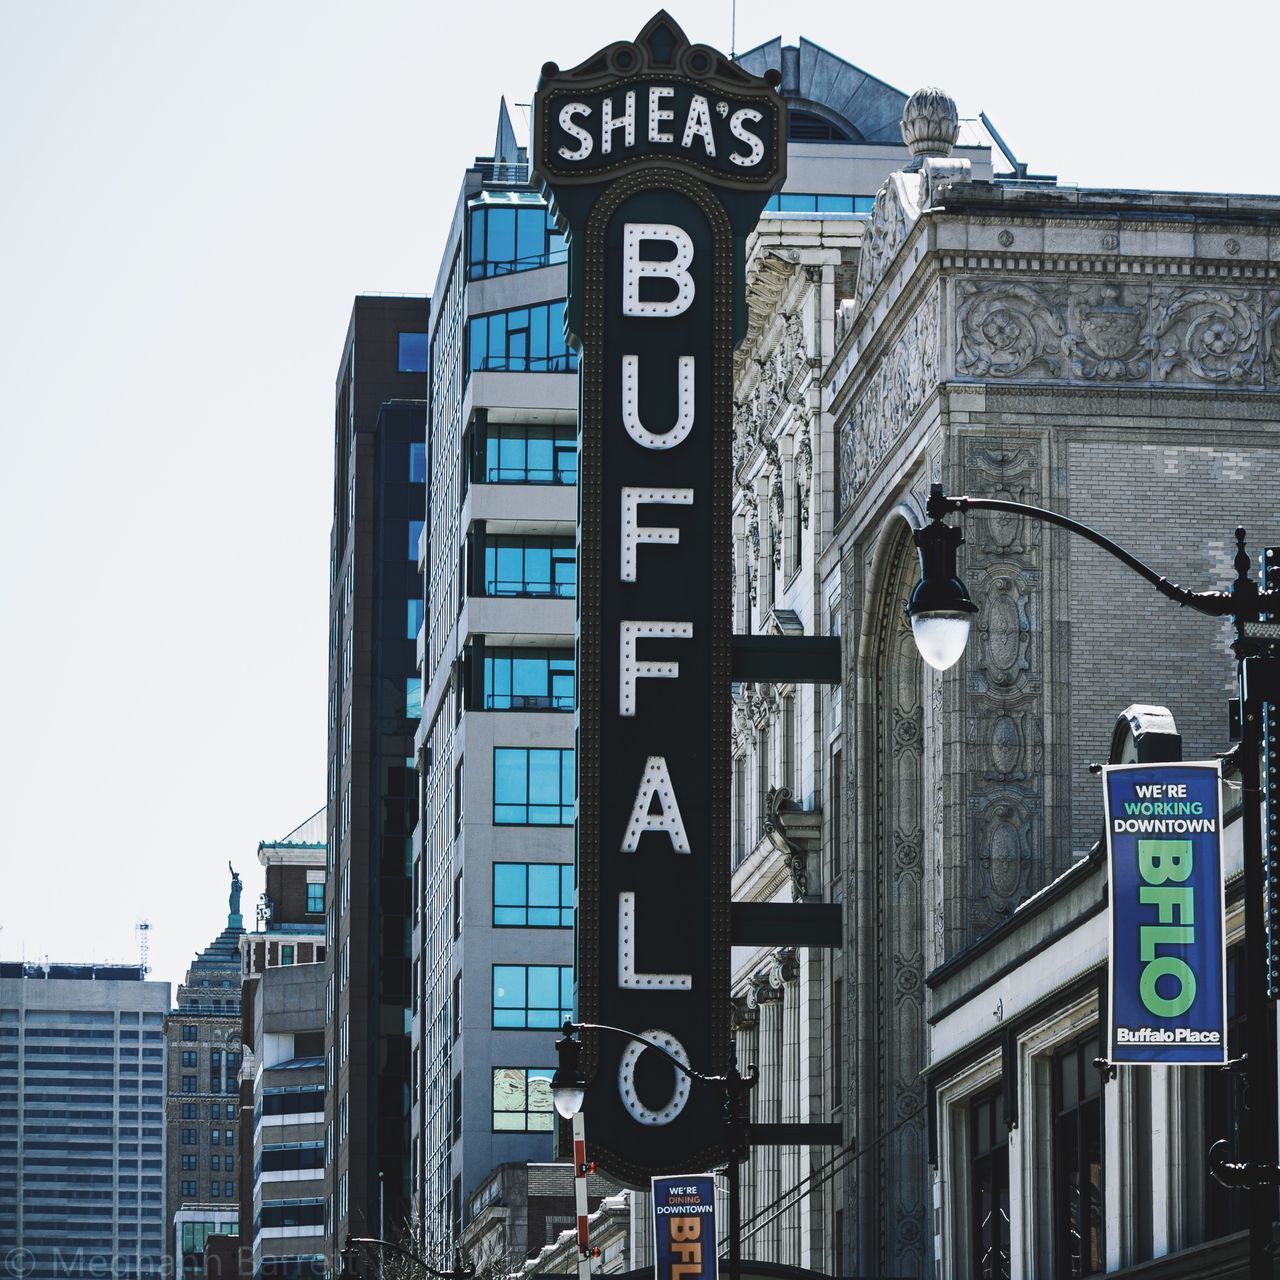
1216	604
1239	1175
462	1270
570	1027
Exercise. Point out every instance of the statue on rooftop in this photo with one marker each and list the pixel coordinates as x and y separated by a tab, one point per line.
233	902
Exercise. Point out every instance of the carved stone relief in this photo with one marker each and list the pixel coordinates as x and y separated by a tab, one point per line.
1003	777
804	468
1134	331
886	897
890	399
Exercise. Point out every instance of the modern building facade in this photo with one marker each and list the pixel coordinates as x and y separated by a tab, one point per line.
282	1077
82	1088
202	1097
375	693
493	853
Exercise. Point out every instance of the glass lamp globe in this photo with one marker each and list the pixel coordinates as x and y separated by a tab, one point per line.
568	1099
941	637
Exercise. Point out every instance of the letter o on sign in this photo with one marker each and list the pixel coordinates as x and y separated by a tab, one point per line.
627	1080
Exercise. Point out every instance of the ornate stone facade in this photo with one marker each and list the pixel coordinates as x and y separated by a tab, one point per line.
1015	341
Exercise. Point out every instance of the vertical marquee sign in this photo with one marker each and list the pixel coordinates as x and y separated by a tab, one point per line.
657	156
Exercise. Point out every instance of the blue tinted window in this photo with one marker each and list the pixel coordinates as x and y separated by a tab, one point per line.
515	453
532	996
533	786
315	899
533	895
414	620
528	679
417	464
527	340
515	237
413	353
413	698
809	202
415	532
532	565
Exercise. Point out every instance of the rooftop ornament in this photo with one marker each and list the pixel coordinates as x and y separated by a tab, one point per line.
930	124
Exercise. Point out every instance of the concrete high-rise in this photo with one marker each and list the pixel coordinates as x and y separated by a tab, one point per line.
375	695
81	1120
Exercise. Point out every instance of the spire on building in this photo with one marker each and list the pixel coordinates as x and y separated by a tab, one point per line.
506	150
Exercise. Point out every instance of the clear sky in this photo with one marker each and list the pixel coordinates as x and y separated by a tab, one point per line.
190	195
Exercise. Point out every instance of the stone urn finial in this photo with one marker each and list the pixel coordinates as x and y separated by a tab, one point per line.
930	124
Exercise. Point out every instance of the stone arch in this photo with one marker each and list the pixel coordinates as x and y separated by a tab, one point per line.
887	900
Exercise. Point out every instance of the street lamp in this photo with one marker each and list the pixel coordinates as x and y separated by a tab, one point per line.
940	609
568	1091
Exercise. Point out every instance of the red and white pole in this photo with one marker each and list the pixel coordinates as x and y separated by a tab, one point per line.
581	1168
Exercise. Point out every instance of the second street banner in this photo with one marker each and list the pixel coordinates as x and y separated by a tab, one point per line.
1168	953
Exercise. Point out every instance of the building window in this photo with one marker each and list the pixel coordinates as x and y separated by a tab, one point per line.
510	237
533	895
808	202
533	786
188	1084
215	1189
528	679
413	698
215	1162
456	1005
417	463
413	353
529	340
413	623
522	1100
456	1107
516	453
190	1058
229	1137
528	996
189	1111
215	1137
189	1186
190	1032
415	532
530	565
286	954
215	1111
989	1187
190	1162
1077	1160
188	1137
457	905
315	899
229	1164
228	1190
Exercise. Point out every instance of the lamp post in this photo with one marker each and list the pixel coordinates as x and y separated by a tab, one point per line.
568	1090
462	1267
940	611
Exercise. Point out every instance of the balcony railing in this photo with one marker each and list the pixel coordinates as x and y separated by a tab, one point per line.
558	590
528	701
531	475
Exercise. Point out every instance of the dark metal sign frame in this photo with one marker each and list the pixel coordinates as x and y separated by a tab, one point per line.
655	646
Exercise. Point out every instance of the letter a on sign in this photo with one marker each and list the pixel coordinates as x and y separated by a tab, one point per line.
656	156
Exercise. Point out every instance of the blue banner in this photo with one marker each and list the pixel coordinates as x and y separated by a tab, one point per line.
1168	931
684	1226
